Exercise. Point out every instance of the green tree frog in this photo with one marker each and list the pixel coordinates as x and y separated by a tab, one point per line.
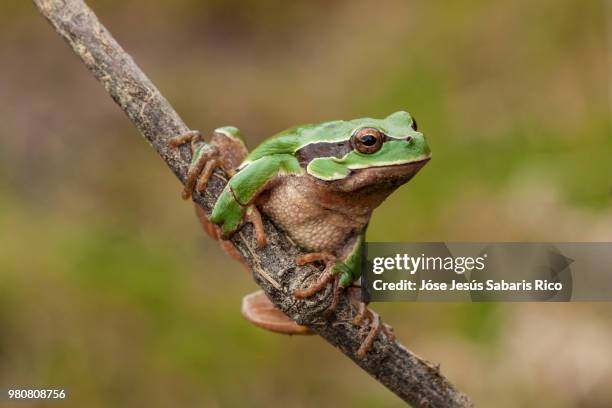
319	183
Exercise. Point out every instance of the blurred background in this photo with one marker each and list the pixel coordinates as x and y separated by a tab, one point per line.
109	288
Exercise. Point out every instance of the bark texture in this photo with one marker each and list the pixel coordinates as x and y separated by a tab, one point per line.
410	377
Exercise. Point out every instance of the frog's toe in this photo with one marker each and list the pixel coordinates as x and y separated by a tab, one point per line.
327	276
325	257
254	217
337	289
314	287
205	160
205	174
376	326
189	136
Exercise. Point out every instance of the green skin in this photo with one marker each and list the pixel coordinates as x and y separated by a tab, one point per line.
330	174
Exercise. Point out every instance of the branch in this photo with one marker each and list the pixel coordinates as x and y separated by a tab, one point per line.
413	379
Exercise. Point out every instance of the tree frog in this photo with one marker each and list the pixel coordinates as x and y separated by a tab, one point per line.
319	183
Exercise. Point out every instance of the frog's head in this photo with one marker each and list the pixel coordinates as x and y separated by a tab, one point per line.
374	154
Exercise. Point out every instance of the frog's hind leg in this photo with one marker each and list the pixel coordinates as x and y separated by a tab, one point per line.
203	162
257	308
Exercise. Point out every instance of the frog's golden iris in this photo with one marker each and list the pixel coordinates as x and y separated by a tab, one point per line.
367	140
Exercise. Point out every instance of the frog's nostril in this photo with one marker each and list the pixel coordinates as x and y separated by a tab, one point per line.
409	139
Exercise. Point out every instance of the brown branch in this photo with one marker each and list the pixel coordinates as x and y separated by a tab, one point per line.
413	379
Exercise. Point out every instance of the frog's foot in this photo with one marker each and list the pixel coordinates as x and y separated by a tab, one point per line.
257	308
326	277
337	289
205	160
363	313
254	217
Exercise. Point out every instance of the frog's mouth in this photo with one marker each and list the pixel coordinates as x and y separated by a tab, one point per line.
379	177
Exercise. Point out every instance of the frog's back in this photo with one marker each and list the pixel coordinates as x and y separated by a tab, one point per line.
291	140
398	124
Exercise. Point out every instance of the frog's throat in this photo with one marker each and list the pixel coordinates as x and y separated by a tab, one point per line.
379	177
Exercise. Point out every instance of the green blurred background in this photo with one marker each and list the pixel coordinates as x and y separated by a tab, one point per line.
109	288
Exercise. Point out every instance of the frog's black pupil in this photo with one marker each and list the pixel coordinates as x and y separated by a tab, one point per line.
368	140
414	124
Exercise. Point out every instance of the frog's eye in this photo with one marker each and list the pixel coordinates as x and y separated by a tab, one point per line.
414	125
367	140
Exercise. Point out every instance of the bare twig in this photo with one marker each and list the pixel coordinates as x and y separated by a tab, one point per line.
413	379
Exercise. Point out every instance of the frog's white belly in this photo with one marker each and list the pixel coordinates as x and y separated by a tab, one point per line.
314	221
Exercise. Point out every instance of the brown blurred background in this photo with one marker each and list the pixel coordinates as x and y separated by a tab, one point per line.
109	289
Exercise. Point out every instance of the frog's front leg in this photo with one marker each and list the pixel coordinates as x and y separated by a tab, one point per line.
342	270
203	162
225	150
335	272
329	260
237	202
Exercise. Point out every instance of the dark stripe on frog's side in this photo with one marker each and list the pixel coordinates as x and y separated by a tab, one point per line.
327	149
323	149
